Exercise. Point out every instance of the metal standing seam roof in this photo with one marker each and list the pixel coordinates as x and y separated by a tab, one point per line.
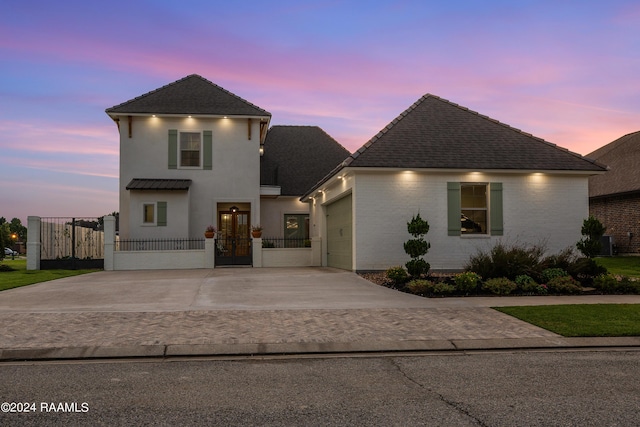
190	95
159	184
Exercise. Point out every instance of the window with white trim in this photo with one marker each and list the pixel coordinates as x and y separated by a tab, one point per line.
190	149
474	207
149	213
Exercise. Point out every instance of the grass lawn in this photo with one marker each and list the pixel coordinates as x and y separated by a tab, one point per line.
22	277
623	265
582	320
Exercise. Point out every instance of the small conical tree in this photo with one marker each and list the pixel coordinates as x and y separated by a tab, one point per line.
592	230
417	247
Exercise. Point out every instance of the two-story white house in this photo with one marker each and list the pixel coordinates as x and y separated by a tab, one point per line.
193	154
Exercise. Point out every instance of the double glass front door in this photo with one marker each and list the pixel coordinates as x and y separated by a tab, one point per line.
233	243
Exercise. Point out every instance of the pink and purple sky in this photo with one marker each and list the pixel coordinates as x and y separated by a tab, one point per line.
566	71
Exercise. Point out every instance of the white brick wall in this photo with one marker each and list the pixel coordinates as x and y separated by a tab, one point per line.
537	208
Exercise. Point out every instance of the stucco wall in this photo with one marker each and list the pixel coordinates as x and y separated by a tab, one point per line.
274	210
537	208
177	210
235	175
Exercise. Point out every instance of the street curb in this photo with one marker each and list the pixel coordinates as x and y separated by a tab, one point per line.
300	348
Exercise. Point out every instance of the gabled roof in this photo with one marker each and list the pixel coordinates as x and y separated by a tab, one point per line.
436	133
623	157
191	95
296	157
158	184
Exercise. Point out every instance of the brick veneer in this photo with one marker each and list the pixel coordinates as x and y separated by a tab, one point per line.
620	214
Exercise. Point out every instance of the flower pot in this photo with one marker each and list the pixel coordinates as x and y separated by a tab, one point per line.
256	234
209	234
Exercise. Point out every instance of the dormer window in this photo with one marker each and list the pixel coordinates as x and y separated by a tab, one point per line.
190	149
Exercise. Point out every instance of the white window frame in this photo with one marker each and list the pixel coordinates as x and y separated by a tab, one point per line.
487	218
144	212
200	150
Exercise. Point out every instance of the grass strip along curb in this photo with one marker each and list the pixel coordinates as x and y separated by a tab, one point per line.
582	320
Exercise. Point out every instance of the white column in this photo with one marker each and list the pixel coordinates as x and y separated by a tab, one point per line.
109	242
316	251
256	246
33	243
209	253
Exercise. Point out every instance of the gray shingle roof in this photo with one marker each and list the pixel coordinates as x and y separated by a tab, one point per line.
190	95
623	157
159	184
436	133
296	157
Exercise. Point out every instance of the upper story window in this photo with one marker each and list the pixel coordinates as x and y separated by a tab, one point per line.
190	149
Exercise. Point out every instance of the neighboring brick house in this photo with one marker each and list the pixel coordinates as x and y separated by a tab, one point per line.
614	198
475	180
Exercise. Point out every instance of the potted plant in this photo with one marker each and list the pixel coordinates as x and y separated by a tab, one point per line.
256	231
210	232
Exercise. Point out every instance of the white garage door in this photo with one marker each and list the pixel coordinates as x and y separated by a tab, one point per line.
339	234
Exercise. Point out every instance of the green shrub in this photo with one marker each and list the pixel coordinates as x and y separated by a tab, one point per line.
499	286
427	287
467	282
592	230
397	275
417	267
606	283
506	261
564	285
442	288
420	287
610	284
417	247
552	273
527	285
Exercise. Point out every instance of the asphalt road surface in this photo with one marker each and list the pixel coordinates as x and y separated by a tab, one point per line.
573	388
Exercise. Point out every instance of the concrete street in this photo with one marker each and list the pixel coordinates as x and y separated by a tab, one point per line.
524	388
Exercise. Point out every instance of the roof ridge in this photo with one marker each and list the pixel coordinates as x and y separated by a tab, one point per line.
605	149
180	81
150	92
527	134
386	129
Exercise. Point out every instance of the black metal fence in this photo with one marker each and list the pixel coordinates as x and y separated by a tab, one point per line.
159	244
279	242
71	243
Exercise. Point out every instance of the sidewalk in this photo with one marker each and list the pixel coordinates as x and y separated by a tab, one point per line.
259	311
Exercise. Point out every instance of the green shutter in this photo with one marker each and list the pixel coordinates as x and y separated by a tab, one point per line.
162	214
207	149
453	208
173	149
495	208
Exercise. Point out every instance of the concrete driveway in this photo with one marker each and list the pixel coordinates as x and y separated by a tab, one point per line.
198	290
253	311
239	289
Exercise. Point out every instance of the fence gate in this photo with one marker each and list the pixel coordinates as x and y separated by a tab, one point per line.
71	243
233	251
